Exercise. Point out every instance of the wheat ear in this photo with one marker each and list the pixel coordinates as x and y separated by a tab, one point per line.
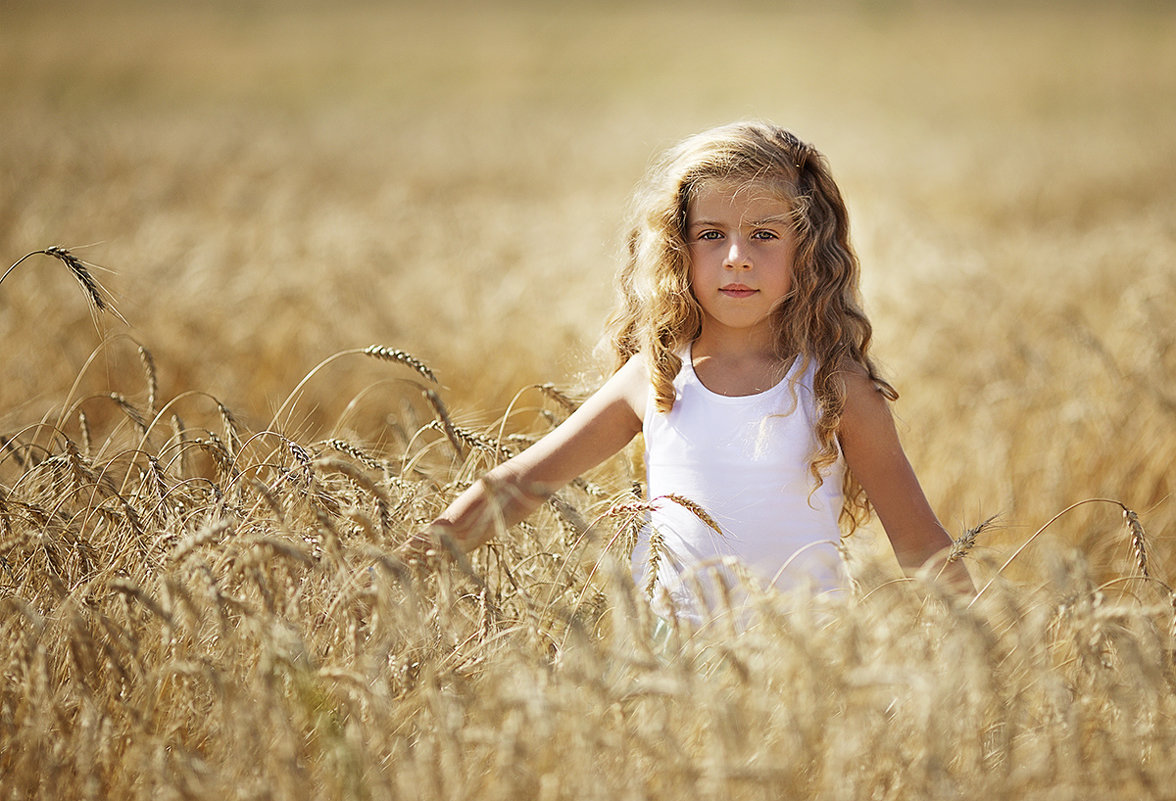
1134	527
94	290
694	507
967	541
129	409
1138	541
446	423
356	453
401	357
84	426
152	379
563	399
657	545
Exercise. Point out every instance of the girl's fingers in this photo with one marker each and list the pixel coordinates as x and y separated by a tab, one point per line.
425	544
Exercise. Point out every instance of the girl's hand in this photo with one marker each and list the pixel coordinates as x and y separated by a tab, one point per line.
603	425
423	544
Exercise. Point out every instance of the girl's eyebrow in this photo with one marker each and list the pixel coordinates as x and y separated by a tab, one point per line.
775	220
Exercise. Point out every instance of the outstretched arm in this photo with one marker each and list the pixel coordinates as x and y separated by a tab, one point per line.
602	425
875	456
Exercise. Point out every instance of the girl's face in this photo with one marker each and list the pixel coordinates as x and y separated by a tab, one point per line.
741	247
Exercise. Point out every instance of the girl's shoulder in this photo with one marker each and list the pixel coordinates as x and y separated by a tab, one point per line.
630	384
867	403
852	372
858	381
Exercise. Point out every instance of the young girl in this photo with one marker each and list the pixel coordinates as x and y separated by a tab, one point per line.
741	352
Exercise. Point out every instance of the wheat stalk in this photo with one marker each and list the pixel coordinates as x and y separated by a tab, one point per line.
178	433
1134	527
152	379
473	439
133	590
216	448
362	480
376	351
694	507
559	396
1138	541
446	423
356	453
301	456
4	515
232	434
966	541
130	410
401	357
79	466
9	445
94	290
84	427
158	479
657	546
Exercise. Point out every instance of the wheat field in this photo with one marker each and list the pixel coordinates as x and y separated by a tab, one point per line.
295	275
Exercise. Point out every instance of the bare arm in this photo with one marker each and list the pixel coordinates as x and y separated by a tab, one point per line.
874	454
603	425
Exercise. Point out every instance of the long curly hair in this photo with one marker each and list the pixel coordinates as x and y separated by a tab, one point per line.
820	321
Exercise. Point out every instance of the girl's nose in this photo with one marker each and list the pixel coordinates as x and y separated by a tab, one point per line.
736	256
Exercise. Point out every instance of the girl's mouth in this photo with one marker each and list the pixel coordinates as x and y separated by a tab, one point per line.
737	291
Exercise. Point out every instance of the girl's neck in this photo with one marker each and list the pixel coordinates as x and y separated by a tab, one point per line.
736	365
723	343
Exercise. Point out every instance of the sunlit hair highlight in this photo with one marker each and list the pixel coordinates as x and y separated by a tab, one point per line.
820	321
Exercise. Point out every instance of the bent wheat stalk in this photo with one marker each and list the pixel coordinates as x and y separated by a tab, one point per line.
95	292
376	351
967	541
71	402
1135	529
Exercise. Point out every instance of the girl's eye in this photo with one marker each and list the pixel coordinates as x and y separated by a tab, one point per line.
709	235
765	235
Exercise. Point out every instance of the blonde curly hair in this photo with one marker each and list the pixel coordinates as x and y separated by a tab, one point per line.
821	320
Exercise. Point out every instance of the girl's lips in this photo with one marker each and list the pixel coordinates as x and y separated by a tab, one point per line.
737	291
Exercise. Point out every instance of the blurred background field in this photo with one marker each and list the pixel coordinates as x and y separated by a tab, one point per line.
272	183
268	184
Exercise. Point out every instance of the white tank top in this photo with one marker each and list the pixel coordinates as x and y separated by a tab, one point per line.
745	460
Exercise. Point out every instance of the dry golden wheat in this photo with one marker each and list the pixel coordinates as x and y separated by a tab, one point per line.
394	355
215	610
963	544
96	295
